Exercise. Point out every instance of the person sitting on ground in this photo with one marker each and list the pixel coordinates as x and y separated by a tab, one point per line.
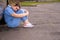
14	14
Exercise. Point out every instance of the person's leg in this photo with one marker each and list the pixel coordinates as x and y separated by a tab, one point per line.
26	22
14	23
25	19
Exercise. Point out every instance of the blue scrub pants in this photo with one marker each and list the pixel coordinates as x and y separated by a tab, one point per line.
16	21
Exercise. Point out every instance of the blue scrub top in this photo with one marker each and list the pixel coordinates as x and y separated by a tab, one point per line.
9	19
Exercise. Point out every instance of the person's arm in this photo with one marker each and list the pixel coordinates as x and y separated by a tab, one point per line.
10	12
20	15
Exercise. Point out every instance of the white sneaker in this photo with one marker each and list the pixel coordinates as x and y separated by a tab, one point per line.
29	25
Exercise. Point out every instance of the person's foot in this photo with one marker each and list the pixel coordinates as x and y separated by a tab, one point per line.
29	25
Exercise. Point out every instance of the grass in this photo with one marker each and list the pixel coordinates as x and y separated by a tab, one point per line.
29	3
33	3
57	0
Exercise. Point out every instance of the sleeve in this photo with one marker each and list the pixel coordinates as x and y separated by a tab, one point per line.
9	11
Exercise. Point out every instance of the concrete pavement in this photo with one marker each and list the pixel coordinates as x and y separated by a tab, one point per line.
45	17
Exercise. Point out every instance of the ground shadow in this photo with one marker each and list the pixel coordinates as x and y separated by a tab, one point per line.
6	28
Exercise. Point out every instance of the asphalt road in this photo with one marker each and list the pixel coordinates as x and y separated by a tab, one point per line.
45	17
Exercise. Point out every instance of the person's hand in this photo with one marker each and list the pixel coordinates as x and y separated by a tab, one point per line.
27	13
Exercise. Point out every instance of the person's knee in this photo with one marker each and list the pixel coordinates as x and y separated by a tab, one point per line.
20	11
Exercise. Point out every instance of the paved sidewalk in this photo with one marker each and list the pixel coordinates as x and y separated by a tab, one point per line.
45	17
